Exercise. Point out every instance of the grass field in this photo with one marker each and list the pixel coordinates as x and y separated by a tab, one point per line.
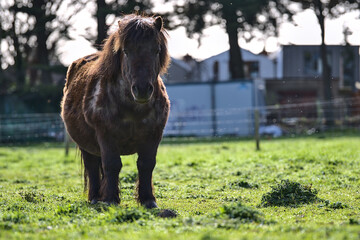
216	188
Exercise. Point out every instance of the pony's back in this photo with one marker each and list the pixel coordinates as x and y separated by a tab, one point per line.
78	68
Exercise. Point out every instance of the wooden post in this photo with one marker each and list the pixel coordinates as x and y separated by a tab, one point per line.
213	108
256	115
67	142
0	131
257	135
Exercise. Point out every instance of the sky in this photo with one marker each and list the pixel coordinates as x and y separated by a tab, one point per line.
214	40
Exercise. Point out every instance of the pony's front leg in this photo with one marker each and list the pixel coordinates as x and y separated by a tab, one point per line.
145	164
111	164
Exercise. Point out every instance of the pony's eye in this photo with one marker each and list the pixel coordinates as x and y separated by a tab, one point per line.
125	51
158	50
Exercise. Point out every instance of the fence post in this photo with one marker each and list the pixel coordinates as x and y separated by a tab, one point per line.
257	135
256	114
67	142
213	107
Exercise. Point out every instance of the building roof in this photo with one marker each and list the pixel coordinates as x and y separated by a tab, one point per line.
181	64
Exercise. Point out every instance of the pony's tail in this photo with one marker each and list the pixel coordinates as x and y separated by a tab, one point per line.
83	168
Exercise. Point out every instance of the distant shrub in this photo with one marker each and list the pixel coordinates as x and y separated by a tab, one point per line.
288	193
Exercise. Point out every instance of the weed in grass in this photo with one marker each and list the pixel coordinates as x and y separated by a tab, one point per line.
23	181
289	193
130	177
120	215
16	217
208	236
240	212
31	196
68	209
354	221
167	213
242	184
334	205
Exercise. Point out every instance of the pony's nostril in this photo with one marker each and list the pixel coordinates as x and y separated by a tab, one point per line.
135	90
150	89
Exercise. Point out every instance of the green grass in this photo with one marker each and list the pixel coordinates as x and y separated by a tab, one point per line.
216	187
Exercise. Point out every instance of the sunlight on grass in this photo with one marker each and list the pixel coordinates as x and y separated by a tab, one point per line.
215	187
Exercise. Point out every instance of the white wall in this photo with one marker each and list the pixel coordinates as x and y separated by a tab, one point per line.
191	114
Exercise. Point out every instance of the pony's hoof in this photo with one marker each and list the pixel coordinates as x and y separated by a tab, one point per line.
150	204
167	213
94	201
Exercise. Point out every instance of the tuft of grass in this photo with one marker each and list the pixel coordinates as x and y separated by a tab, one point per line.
289	193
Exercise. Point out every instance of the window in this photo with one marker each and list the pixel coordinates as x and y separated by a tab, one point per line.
348	66
216	71
312	63
251	69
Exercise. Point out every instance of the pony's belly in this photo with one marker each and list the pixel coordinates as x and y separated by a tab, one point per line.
82	134
130	136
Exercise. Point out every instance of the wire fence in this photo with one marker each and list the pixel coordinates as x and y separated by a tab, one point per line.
25	128
279	120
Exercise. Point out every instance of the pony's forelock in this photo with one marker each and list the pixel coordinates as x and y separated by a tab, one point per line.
132	28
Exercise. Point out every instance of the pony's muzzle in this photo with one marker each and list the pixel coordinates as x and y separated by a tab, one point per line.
142	93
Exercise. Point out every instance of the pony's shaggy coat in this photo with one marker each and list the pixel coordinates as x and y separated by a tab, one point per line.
101	108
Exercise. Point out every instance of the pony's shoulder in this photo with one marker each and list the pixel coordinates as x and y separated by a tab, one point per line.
76	67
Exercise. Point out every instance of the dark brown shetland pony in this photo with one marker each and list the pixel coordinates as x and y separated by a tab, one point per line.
115	104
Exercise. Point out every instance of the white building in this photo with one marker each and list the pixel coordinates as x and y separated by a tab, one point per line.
256	66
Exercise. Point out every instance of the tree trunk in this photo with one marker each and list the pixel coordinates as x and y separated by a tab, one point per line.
42	53
102	28
325	75
43	58
19	62
1	37
236	65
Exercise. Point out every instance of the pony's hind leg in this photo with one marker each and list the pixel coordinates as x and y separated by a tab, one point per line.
92	175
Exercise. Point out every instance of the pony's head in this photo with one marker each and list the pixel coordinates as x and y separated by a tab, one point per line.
142	47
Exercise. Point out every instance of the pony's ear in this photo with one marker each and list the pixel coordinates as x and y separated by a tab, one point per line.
158	23
119	22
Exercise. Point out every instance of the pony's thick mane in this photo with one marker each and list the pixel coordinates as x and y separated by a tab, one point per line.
132	28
